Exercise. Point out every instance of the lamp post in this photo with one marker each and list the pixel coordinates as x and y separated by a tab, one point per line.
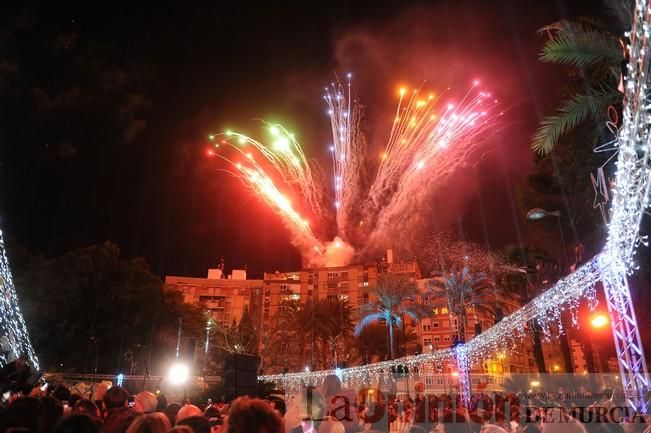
539	213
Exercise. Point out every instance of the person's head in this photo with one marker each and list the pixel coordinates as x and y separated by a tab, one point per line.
331	385
87	407
115	397
247	415
162	402
26	413
614	428
417	429
214	416
279	404
52	410
78	423
100	390
332	425
455	423
212	412
146	402
198	424
181	429
170	412
62	393
150	423
186	411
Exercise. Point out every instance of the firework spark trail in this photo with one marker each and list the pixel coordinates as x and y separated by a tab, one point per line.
286	156
348	151
436	148
289	161
427	144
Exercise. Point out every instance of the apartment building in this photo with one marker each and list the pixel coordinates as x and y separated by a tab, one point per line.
225	297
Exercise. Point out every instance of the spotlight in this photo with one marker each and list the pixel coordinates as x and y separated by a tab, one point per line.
178	374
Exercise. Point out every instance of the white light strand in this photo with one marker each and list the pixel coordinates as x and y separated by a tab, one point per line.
631	191
13	330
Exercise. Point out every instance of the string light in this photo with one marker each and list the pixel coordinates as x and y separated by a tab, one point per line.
12	325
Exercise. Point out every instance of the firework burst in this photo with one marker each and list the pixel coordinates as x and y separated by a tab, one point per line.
373	201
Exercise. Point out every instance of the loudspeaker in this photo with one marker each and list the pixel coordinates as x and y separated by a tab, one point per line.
240	375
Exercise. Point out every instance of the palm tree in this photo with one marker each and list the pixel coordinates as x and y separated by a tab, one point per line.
596	55
396	298
301	323
464	292
334	324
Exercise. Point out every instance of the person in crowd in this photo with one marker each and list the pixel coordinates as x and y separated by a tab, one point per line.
247	415
214	417
23	414
557	420
150	423
420	404
198	424
455	422
118	414
314	412
99	391
63	394
87	407
417	429
279	405
52	411
340	403
170	412
181	429
332	425
162	402
78	423
145	402
186	411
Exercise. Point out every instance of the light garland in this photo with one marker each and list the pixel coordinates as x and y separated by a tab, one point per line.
13	330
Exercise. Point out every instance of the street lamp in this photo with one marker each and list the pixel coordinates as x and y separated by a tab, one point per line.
599	320
537	213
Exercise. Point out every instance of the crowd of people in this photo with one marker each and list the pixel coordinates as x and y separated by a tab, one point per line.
329	408
64	412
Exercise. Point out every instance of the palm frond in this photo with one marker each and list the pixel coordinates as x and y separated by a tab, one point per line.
565	26
366	321
416	311
570	114
580	44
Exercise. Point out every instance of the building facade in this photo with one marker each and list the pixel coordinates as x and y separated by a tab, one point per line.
268	301
225	298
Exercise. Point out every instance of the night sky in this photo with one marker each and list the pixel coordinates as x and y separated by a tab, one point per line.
106	108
